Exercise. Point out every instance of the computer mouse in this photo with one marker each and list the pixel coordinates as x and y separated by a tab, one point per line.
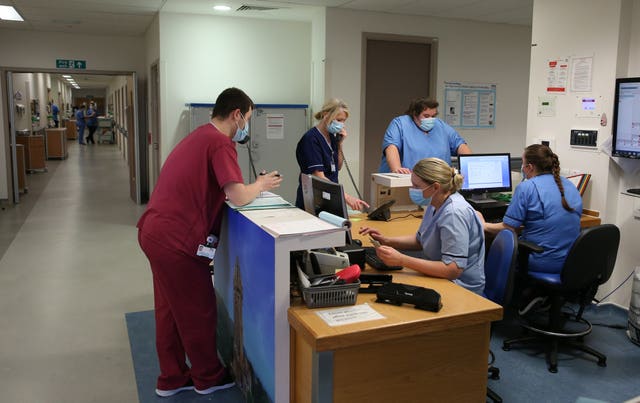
357	242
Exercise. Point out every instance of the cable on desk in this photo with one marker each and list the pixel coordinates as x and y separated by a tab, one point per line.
405	216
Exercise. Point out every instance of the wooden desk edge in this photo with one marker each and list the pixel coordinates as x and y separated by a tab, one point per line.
390	331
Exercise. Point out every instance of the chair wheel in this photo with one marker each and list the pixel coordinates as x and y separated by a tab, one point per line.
602	363
506	348
553	370
495	376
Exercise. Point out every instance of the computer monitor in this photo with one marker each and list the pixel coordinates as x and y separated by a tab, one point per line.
626	107
483	174
324	195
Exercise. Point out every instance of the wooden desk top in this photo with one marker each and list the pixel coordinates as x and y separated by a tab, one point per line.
460	307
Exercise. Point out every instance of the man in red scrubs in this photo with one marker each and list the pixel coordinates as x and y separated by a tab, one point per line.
185	208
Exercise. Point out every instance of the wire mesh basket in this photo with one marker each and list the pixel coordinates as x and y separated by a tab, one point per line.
329	295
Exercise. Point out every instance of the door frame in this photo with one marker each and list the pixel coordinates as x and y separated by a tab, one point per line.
433	81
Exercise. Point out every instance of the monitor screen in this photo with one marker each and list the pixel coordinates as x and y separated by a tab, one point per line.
323	195
626	118
485	173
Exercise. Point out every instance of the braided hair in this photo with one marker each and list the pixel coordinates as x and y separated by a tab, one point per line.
432	170
546	161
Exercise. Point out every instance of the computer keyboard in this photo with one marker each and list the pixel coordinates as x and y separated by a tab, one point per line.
374	261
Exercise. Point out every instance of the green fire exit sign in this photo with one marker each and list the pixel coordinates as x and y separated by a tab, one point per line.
71	64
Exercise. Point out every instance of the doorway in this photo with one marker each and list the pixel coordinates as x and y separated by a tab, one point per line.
29	94
397	69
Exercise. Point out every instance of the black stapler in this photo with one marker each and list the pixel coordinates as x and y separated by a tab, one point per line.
398	294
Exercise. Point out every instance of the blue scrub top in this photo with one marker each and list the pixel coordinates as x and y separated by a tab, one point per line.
536	204
454	233
93	121
315	154
55	111
80	118
413	144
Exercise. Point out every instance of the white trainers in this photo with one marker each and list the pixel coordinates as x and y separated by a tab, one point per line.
171	392
534	302
226	383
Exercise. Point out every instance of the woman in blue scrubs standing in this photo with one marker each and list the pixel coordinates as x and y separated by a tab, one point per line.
319	151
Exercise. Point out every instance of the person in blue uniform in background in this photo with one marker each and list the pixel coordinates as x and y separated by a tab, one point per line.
548	208
55	111
450	236
91	121
319	151
80	124
419	134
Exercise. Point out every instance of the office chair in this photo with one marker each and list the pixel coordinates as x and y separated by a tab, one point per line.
589	264
499	277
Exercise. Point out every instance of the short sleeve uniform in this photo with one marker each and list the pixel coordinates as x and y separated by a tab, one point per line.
187	202
314	153
454	233
93	117
80	120
55	111
536	204
414	144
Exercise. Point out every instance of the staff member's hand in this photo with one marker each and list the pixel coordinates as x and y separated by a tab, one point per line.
355	203
373	233
402	170
390	256
268	181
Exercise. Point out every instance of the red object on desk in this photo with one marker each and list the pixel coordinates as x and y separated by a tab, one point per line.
349	274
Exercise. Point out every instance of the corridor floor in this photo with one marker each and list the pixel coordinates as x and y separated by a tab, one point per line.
70	268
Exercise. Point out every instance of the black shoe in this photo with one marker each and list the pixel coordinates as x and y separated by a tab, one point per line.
225	383
83	144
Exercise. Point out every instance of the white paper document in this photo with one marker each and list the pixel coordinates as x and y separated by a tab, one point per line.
349	314
265	202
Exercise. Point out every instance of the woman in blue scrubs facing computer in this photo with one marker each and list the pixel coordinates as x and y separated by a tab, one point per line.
319	151
450	236
547	207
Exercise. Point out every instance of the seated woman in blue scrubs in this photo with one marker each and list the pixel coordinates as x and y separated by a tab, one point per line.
319	151
547	206
450	236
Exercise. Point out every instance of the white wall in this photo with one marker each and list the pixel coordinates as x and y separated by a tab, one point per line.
556	35
202	55
467	51
38	51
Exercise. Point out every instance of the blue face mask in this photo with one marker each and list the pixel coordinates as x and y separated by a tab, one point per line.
335	127
241	134
417	197
427	124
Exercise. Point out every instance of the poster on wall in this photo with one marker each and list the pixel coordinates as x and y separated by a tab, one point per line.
557	74
469	105
581	74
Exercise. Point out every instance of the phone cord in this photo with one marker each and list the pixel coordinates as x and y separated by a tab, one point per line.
346	164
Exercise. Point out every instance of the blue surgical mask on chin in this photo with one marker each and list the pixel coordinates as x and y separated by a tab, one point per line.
427	124
335	127
241	134
417	197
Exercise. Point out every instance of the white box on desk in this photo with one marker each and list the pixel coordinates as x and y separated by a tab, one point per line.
388	186
392	180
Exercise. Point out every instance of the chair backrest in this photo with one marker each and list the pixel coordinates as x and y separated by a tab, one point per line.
499	267
591	258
